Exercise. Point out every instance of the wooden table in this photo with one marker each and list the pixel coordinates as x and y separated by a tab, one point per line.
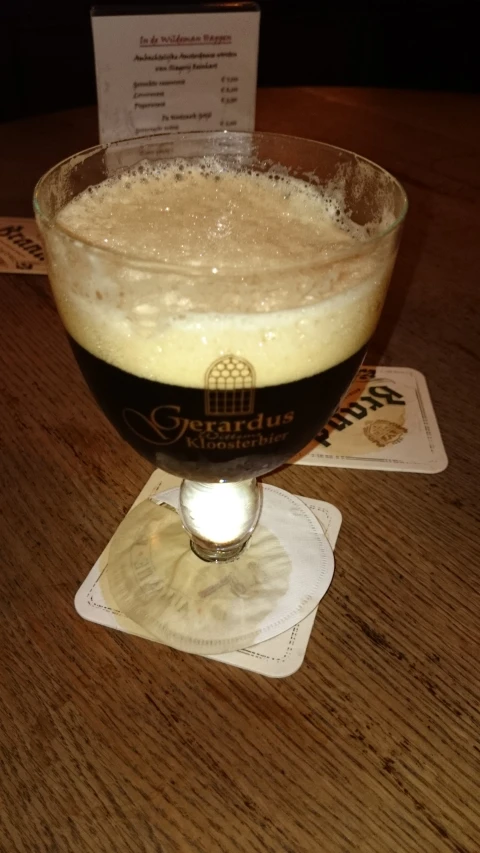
112	744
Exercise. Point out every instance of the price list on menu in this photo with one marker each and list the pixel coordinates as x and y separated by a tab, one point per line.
164	72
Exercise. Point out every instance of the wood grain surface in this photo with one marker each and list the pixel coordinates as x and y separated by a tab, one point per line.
111	744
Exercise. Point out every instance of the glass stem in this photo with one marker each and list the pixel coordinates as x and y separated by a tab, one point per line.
219	517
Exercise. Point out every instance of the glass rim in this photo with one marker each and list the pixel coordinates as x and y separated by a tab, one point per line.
202	269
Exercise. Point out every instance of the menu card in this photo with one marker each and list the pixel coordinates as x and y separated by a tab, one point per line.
194	69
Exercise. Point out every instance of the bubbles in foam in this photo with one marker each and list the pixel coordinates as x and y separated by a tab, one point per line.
276	298
207	215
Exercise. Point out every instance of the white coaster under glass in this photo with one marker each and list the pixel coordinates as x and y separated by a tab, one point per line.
276	644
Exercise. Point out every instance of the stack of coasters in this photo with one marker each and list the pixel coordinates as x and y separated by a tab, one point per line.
255	613
386	421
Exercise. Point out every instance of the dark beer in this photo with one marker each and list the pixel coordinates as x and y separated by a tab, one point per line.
228	433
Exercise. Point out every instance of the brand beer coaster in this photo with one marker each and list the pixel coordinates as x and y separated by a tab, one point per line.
21	247
386	421
301	567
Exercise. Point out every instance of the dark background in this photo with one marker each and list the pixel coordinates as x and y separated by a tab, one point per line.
46	52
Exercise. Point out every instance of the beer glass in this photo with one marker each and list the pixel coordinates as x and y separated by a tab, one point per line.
219	291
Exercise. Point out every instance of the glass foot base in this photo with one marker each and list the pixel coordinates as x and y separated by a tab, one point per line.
217	555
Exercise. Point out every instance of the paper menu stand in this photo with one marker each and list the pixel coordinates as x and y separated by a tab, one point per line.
175	69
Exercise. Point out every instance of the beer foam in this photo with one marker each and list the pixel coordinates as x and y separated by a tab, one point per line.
162	269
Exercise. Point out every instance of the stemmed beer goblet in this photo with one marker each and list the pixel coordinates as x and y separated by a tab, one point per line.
219	291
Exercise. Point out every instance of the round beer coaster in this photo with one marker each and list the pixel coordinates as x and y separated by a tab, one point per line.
154	579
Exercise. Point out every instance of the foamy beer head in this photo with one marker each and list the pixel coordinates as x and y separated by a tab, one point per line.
219	290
